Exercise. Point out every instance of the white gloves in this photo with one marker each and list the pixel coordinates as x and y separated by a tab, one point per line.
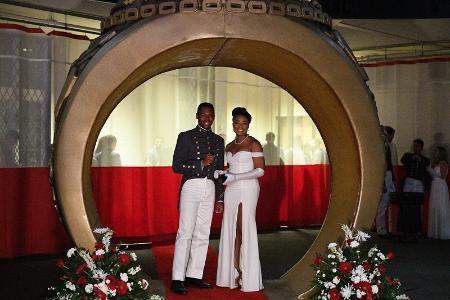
217	173
255	173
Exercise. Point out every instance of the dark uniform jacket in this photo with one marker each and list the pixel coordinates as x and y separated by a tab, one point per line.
415	165
192	146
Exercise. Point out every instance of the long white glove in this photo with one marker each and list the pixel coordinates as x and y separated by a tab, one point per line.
255	173
217	173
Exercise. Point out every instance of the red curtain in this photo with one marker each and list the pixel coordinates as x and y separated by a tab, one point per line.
140	203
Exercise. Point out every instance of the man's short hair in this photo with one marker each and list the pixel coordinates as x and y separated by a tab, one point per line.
419	141
205	104
389	130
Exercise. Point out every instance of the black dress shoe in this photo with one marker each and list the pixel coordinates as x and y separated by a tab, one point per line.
197	283
178	287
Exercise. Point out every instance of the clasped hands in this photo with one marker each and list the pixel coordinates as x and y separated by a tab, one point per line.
230	177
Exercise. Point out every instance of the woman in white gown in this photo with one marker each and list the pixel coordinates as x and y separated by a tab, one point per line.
439	206
239	264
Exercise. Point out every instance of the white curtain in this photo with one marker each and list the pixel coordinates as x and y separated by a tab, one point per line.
33	67
146	123
414	99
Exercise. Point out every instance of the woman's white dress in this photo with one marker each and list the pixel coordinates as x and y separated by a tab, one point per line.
439	207
247	193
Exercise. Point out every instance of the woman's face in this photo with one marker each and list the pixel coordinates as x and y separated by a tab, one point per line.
240	125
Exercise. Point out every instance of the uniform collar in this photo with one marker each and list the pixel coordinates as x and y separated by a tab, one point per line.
203	130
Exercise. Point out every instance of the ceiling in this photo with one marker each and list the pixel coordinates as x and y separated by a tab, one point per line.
370	39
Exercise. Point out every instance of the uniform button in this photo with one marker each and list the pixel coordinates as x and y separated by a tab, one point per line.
193	167
198	158
184	166
198	152
198	174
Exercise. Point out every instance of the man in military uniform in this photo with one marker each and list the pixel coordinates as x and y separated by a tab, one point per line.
198	153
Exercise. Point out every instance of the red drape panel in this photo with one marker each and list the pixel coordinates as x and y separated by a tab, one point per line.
28	219
141	202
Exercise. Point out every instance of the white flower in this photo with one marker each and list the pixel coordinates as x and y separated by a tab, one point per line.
133	256
70	286
334	270
102	230
362	236
124	277
359	294
348	232
102	287
354	244
329	285
332	246
99	252
134	271
346	291
129	285
89	288
402	297
156	297
336	280
356	279
71	252
374	289
144	284
381	256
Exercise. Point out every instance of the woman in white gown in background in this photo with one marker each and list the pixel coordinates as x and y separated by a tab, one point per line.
439	206
239	264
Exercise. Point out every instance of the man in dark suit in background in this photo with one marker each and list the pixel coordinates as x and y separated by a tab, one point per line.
198	153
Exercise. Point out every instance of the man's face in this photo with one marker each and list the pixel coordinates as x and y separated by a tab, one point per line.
417	148
205	117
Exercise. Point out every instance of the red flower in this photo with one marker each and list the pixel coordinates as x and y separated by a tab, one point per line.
99	294
81	268
99	245
60	263
334	294
82	281
112	282
382	269
389	280
390	255
318	260
96	257
345	267
365	287
349	241
124	259
396	281
122	288
367	266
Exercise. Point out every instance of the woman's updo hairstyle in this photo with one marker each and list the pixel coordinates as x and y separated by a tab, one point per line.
241	111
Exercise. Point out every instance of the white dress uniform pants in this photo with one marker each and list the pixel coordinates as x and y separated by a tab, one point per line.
384	203
413	185
191	245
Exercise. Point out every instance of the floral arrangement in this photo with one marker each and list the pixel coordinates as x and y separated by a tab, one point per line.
349	272
109	272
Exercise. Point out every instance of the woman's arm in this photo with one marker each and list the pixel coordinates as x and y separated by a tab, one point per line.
258	161
444	169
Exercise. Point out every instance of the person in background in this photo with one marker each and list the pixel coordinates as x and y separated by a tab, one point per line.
389	186
409	216
272	153
104	154
439	205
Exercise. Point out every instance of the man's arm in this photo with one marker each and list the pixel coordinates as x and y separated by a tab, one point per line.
220	189
181	162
